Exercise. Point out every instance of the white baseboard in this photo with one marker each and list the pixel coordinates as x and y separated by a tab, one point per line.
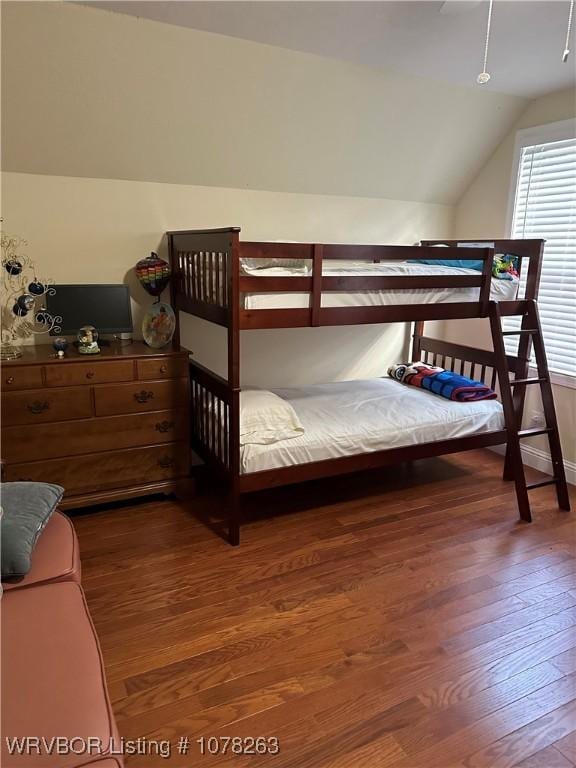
537	459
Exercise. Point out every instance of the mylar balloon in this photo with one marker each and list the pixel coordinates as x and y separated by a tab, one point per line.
154	274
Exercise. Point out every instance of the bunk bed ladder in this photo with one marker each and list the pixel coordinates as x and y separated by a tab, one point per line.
513	394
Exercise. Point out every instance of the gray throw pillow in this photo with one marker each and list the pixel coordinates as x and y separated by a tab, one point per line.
26	508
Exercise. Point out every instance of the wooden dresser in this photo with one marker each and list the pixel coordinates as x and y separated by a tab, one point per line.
106	427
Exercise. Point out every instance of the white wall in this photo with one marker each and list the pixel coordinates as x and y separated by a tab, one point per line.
91	93
94	230
116	129
482	209
482	212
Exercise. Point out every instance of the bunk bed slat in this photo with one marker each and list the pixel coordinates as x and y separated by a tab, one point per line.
202	276
275	284
396	282
396	313
262	250
217	284
210	278
463	353
365	461
225	281
274	318
193	276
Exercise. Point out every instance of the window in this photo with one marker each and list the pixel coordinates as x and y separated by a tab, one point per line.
545	207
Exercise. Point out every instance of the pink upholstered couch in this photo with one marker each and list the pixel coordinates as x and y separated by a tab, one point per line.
52	675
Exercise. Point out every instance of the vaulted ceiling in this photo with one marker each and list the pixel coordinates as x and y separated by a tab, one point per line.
434	39
90	93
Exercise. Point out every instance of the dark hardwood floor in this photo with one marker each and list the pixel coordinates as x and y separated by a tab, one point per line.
401	618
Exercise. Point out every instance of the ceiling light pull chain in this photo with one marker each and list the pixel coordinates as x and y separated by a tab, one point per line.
568	32
484	76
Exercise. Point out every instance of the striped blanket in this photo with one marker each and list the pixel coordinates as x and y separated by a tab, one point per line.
445	383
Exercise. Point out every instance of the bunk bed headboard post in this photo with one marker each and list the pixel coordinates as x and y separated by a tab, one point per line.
176	276
234	311
534	270
206	283
233	258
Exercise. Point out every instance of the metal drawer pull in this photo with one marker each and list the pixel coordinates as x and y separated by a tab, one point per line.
90	375
164	426
166	462
38	406
143	396
163	369
10	380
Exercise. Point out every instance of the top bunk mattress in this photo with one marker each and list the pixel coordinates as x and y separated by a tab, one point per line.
500	290
350	417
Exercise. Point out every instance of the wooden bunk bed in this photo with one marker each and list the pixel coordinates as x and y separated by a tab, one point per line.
209	282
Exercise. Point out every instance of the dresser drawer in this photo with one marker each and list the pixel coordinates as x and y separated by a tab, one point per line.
74	374
162	368
140	397
41	405
103	471
21	377
109	433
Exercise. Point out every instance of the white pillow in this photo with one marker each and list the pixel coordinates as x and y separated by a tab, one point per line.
266	418
270	262
299	266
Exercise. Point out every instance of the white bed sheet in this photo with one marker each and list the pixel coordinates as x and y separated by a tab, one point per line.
501	290
351	417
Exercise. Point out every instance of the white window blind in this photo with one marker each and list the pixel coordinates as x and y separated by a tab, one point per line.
545	207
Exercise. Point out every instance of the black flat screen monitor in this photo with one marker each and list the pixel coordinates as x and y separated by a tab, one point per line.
106	307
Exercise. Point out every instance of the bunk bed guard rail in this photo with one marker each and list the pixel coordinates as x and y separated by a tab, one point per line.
213	411
208	281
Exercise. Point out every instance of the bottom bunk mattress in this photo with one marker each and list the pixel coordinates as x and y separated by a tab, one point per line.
351	417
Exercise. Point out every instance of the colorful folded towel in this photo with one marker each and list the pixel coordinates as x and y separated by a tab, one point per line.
445	383
504	266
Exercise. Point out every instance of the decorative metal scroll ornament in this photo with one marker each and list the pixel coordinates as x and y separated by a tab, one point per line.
23	309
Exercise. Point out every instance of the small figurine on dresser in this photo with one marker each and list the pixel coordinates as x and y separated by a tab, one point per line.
60	345
88	340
